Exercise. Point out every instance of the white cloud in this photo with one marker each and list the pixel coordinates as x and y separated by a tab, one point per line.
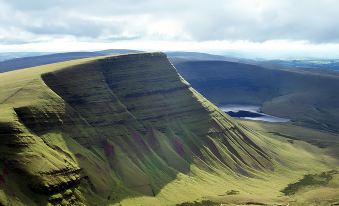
245	24
166	29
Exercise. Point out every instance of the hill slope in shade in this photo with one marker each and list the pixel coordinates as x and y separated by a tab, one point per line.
309	99
129	129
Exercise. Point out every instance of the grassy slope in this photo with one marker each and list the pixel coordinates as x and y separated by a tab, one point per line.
326	140
313	188
153	139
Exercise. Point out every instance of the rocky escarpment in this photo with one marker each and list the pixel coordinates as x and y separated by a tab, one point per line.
114	127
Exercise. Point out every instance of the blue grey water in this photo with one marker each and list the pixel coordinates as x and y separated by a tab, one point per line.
250	109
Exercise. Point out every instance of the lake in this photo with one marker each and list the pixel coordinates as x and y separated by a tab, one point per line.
251	112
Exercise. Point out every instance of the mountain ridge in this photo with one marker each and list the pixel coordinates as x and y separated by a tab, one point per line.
130	118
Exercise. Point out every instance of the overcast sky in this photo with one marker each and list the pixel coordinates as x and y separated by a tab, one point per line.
257	28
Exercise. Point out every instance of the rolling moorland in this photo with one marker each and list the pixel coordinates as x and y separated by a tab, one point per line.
129	130
327	64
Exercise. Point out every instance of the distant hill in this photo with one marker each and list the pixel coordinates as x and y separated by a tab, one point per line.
117	51
307	98
330	64
36	59
25	62
13	55
198	56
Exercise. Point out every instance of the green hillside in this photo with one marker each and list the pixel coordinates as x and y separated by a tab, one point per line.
129	130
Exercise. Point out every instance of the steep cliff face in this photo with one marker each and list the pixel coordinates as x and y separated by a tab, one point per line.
107	128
